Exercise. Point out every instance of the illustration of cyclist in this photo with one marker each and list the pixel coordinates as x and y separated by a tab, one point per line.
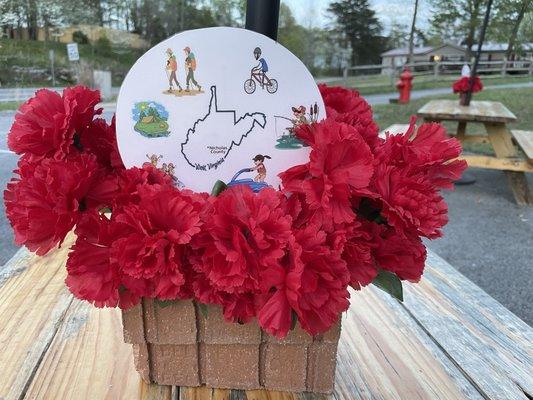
261	68
259	74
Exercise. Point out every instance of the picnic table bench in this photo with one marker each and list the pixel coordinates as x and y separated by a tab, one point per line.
495	117
447	340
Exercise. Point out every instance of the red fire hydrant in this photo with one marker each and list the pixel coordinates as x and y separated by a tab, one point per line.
404	86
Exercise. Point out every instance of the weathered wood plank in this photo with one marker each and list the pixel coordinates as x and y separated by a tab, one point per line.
491	345
525	141
477	111
33	302
384	354
501	140
394	130
502	164
88	359
148	392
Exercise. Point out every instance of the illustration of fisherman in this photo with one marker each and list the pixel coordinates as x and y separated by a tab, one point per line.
299	118
171	68
190	67
260	167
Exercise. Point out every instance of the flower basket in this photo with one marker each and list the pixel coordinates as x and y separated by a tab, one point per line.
179	343
201	278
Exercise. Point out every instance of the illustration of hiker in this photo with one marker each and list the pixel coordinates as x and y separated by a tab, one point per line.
154	159
261	68
171	68
190	67
260	167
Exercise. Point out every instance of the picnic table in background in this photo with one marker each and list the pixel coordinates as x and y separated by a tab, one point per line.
447	340
495	117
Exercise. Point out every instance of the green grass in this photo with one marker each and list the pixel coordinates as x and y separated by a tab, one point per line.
374	84
30	53
519	101
9	105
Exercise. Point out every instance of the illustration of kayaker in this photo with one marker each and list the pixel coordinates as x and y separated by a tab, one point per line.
190	67
171	68
260	167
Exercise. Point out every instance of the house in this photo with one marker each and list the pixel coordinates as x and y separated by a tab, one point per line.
397	57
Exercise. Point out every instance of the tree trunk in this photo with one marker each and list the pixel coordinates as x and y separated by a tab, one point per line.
472	26
514	32
32	19
412	35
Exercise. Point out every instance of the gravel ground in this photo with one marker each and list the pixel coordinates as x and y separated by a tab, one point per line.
489	238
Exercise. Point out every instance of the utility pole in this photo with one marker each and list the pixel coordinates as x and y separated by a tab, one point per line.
262	16
478	53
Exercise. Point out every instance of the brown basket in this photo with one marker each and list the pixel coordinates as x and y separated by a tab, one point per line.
178	344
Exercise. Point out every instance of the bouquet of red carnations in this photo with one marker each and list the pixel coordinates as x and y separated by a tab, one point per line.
354	214
462	85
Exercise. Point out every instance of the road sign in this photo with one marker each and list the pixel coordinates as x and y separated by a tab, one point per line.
72	52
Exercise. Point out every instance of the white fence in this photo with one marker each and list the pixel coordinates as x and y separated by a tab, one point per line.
437	69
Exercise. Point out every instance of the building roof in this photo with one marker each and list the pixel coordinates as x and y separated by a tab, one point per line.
487	47
403	51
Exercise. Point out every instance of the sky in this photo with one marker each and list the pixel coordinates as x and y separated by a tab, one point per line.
314	12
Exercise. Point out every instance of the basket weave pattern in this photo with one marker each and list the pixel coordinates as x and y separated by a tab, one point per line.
178	344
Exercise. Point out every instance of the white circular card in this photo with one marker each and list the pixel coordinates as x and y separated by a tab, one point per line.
217	104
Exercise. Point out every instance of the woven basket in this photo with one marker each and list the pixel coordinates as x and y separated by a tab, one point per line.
179	344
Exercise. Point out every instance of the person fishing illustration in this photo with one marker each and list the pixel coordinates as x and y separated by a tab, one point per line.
171	68
190	67
260	167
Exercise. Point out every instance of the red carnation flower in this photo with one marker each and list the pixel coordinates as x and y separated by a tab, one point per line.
409	202
463	84
312	282
46	124
91	275
243	233
357	253
132	179
427	150
45	203
402	253
340	162
100	139
152	238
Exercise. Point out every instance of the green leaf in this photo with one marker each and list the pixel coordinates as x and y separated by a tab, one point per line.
390	283
294	319
203	309
218	188
163	303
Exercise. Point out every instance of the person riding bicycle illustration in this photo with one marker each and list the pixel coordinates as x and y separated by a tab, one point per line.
261	68
258	74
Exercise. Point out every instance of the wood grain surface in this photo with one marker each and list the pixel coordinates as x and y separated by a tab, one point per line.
477	111
448	340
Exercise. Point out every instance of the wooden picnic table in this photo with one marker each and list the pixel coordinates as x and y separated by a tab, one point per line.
495	117
448	340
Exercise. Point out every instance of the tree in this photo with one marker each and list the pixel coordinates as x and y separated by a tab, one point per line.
412	34
358	23
457	21
507	21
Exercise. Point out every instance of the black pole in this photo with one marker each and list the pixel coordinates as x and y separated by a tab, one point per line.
478	53
262	16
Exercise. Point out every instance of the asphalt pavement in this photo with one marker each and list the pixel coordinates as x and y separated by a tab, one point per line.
489	238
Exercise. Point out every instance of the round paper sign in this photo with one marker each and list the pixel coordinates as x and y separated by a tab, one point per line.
217	104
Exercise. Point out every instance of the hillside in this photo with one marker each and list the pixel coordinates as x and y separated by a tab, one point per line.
27	62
